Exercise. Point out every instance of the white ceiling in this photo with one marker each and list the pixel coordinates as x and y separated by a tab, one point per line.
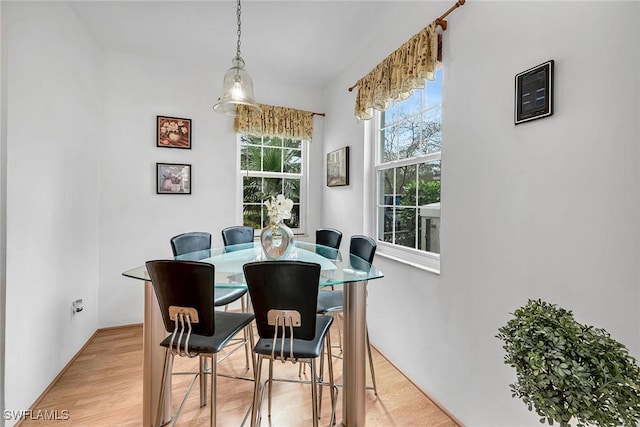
300	42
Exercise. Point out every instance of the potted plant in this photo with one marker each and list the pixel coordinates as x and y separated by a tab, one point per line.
569	372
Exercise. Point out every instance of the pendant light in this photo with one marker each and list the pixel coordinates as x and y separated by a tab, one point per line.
237	86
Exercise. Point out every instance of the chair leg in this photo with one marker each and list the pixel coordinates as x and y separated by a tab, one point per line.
373	374
214	368
166	378
332	387
321	379
251	345
314	393
203	380
270	383
256	393
247	350
337	322
331	382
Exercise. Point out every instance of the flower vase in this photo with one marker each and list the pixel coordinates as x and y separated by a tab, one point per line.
276	240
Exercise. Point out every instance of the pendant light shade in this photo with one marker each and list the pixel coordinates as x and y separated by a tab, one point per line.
237	86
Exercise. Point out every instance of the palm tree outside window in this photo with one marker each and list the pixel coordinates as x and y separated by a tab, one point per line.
271	165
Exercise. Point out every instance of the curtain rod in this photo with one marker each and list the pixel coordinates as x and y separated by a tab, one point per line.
317	114
440	21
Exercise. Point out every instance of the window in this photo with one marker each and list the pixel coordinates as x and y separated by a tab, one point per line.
407	168
271	166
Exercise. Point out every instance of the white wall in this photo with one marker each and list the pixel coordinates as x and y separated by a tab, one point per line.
81	202
136	223
54	129
547	209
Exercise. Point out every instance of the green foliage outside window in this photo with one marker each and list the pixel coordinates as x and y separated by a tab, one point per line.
271	166
410	135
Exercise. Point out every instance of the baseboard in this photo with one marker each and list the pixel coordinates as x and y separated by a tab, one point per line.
73	359
435	402
115	328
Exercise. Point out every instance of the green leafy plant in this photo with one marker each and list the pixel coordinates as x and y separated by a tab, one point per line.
566	370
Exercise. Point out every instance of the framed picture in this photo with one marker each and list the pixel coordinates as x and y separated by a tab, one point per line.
173	178
338	167
534	93
173	132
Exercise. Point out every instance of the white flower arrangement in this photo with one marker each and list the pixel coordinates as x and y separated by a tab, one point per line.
174	129
278	208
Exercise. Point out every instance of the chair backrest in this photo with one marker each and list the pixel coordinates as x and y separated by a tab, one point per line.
190	242
184	284
363	247
284	285
329	237
237	235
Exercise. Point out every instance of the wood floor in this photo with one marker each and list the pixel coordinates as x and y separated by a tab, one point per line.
103	387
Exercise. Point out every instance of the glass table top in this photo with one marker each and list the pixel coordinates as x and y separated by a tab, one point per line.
336	267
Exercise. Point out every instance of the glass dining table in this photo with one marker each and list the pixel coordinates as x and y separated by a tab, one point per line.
337	268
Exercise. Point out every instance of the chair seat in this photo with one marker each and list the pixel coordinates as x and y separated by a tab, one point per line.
227	296
302	349
330	301
227	326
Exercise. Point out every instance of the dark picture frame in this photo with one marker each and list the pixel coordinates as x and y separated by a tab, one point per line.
338	167
173	132
534	93
173	178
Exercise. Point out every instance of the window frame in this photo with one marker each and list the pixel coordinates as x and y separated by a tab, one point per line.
304	183
424	260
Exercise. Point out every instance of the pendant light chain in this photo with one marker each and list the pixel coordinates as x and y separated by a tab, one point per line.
239	30
237	85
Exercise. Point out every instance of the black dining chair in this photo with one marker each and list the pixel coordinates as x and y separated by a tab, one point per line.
193	241
236	235
329	239
196	242
185	293
284	296
362	250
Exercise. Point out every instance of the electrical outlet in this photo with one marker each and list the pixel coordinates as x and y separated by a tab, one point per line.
76	306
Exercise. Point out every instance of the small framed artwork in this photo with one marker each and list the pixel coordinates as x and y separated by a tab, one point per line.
338	167
534	93
173	132
173	178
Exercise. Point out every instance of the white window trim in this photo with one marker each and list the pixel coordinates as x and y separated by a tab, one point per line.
426	261
304	186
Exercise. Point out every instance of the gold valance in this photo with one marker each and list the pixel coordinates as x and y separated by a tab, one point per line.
399	73
274	121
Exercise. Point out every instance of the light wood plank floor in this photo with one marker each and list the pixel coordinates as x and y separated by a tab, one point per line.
103	387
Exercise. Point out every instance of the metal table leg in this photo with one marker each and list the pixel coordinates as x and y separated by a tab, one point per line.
153	360
354	354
